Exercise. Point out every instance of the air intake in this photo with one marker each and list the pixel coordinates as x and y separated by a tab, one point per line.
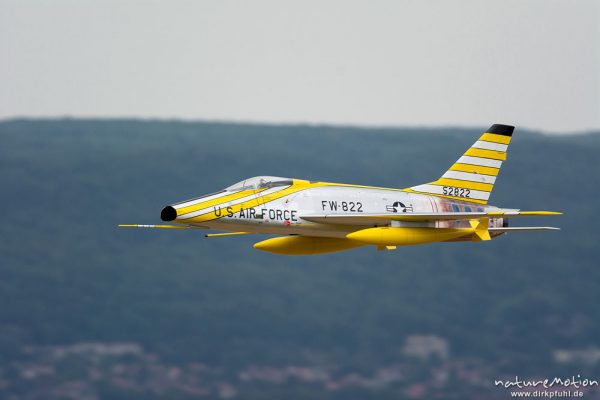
168	214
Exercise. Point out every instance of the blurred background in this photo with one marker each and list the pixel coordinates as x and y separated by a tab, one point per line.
111	110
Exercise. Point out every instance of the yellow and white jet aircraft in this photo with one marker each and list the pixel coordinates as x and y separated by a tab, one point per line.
319	217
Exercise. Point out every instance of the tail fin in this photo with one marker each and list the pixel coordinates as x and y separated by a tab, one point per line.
472	177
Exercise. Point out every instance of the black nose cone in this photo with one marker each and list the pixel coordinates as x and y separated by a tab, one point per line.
168	214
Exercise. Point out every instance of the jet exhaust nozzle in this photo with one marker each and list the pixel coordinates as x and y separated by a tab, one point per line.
168	214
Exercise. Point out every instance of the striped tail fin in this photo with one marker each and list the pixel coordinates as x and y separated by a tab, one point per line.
472	177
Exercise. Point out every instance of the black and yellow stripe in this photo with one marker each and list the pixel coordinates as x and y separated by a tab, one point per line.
212	212
473	176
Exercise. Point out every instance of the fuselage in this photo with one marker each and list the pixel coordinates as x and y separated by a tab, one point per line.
276	205
310	217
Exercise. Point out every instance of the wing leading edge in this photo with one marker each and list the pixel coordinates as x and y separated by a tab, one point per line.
361	219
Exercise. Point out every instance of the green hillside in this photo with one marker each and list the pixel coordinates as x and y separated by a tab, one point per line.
244	319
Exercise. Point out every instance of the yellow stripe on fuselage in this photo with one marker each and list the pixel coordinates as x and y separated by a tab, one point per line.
492	137
254	202
359	186
298	185
493	154
475	169
217	201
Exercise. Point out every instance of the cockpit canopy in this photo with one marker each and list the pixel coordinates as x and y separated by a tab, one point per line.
260	182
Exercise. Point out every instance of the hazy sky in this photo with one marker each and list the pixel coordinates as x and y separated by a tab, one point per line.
535	64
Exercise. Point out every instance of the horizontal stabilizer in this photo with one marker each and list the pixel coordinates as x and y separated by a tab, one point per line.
523	229
517	213
368	219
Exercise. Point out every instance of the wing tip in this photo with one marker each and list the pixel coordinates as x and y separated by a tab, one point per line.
540	213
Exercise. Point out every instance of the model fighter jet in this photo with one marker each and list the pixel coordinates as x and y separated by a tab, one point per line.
311	217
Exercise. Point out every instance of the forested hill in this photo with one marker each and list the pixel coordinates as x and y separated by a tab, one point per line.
69	277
